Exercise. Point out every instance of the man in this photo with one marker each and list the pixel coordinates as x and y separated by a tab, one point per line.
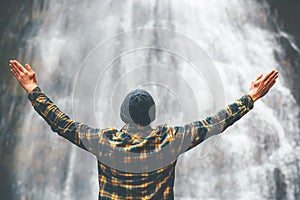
137	137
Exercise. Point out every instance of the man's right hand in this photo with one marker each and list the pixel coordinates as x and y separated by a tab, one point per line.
262	84
25	75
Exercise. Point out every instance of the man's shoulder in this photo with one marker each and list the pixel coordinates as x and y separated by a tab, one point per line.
109	130
167	129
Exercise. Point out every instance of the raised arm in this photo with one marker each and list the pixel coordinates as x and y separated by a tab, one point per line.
196	132
76	132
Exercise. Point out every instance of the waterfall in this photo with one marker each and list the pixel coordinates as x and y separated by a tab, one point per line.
256	158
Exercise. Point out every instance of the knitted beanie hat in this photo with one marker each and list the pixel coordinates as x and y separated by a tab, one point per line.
138	107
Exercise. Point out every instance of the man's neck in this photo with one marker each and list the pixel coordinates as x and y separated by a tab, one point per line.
136	129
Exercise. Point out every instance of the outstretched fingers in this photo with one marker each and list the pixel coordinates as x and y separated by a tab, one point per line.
13	71
269	75
258	77
270	85
22	69
17	67
272	77
28	67
271	82
14	67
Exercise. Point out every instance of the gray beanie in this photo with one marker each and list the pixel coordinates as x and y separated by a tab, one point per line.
138	107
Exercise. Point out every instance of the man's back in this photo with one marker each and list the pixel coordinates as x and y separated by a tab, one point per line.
115	184
137	162
162	145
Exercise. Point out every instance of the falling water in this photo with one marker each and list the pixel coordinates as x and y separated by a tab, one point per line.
254	159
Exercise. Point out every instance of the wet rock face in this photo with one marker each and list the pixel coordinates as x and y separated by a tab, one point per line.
286	11
286	17
15	20
280	191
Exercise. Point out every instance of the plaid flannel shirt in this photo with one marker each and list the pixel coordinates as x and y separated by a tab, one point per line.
126	184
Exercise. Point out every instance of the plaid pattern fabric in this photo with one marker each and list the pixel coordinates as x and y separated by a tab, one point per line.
143	143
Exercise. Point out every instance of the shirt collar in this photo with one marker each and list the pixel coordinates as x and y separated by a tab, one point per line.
137	130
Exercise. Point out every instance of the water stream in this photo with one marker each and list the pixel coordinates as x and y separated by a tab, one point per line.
257	158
